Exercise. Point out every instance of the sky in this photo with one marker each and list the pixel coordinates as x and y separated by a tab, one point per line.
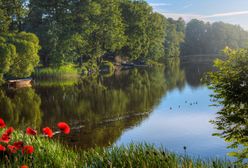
229	11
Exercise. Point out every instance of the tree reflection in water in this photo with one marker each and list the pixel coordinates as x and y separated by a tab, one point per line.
105	106
21	108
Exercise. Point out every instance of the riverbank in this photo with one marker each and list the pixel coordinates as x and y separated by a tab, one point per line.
50	153
71	70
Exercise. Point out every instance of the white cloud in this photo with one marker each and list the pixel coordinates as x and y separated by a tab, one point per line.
159	4
237	18
187	6
186	16
227	14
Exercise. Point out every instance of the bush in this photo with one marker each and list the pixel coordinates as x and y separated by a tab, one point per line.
18	54
230	85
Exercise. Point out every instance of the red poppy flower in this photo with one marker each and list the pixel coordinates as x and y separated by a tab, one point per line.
27	150
12	148
64	127
18	145
2	123
47	131
24	166
31	131
9	131
5	138
2	148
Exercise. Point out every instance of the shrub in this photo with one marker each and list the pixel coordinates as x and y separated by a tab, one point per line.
230	85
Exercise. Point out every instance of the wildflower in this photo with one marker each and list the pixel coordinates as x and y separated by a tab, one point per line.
47	131
64	127
27	150
31	131
9	131
5	138
2	123
18	145
2	148
12	148
24	166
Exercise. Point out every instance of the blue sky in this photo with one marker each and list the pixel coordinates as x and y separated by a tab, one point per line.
230	11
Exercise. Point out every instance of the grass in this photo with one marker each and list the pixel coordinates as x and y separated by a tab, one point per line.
50	153
56	82
144	155
65	71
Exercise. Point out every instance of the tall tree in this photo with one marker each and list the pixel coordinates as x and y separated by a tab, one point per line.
101	25
206	38
15	12
136	15
174	37
156	34
18	54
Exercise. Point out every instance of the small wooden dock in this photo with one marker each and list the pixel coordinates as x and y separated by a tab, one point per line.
20	83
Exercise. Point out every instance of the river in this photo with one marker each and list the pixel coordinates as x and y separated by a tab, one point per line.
167	106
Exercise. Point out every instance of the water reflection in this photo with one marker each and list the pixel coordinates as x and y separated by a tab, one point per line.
134	105
21	108
105	106
195	71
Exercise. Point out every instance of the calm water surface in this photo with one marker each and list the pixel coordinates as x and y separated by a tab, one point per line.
164	106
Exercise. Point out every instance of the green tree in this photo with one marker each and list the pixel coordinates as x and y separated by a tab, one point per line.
4	19
206	38
95	27
194	40
7	54
174	37
156	34
14	12
136	15
18	54
230	86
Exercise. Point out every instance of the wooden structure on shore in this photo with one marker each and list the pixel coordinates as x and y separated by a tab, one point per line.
20	83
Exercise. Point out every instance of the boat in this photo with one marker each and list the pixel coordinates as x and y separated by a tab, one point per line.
20	83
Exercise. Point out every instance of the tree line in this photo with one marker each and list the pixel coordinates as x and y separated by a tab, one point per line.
87	32
83	32
207	38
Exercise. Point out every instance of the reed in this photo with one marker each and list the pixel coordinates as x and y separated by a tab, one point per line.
51	153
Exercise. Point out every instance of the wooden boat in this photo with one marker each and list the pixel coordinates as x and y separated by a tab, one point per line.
20	83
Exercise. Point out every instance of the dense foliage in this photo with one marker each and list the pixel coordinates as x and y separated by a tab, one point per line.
207	38
86	31
18	54
18	50
174	37
230	83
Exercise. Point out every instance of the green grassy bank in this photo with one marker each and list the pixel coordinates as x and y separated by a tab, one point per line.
66	71
49	153
72	70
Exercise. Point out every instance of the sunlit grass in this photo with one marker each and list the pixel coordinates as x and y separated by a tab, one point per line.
145	155
55	82
66	71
